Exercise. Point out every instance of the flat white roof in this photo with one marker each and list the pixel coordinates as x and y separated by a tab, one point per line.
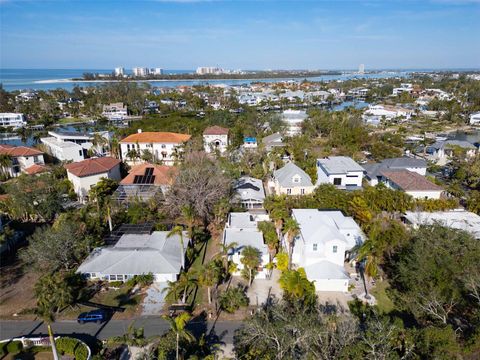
455	219
52	141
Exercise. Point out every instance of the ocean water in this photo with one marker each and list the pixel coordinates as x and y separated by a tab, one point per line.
47	79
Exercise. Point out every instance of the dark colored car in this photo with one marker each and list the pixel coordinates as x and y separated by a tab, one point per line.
97	316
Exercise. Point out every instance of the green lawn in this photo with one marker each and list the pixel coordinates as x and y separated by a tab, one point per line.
120	297
384	303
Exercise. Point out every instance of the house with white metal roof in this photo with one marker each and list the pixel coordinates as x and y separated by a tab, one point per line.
291	180
137	254
241	230
341	171
455	219
322	246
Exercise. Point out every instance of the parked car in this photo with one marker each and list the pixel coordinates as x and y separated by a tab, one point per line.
97	316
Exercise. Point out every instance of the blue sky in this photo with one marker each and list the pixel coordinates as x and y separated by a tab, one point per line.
184	34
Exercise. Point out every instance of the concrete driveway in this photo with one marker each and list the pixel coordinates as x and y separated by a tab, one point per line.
155	299
261	289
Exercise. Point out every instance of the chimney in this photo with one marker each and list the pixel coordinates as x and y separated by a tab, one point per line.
139	131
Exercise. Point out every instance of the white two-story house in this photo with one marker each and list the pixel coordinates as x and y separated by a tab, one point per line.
87	173
163	146
323	246
341	171
23	159
215	138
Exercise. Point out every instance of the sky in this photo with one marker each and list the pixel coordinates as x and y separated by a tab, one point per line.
240	34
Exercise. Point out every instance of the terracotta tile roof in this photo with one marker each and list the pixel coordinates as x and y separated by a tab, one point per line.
36	169
163	174
156	137
410	181
215	130
18	150
92	166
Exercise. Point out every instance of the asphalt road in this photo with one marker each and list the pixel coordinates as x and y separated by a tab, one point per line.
152	326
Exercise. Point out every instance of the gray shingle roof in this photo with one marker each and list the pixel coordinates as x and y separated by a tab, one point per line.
374	170
285	176
338	165
137	254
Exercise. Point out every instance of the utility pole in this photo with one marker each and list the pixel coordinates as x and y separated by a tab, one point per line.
52	342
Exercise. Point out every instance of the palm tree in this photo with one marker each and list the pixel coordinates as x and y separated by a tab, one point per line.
278	215
189	219
5	164
296	284
99	141
290	229
210	276
132	155
185	281
178	231
250	260
270	236
173	290
114	146
224	250
177	325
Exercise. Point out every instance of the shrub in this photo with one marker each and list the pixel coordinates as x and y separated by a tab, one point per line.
115	283
3	348
232	299
143	280
14	347
73	347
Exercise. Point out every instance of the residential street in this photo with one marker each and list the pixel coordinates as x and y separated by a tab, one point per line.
152	326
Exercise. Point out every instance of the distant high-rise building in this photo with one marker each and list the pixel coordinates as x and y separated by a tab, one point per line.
361	69
140	71
119	71
156	71
209	70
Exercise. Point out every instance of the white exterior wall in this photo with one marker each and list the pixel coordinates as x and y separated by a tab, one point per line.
25	162
72	152
350	179
294	190
155	148
305	255
82	185
209	142
340	285
475	119
425	194
165	277
14	120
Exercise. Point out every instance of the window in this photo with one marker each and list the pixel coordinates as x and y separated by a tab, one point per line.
315	247
93	275
164	146
302	191
289	191
335	249
164	154
113	277
337	181
80	152
128	147
296	179
35	159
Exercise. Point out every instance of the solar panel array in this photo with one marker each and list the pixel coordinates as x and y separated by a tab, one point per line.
144	228
146	179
